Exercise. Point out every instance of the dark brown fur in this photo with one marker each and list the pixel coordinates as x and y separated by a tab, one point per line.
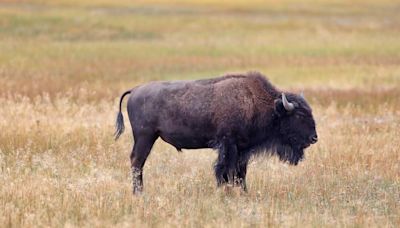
239	115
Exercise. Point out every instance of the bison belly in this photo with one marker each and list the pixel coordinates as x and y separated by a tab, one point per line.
184	141
186	130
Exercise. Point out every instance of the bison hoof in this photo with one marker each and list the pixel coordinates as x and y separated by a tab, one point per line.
137	190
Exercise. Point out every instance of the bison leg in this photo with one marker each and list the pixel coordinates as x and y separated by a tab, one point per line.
141	150
220	171
241	175
225	168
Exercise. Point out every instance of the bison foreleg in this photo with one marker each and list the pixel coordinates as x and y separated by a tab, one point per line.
241	174
226	166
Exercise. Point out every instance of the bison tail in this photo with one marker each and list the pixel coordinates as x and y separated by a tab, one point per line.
119	124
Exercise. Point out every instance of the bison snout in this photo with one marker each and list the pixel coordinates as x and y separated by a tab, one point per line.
313	139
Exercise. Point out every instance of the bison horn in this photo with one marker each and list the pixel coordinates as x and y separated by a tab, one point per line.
288	106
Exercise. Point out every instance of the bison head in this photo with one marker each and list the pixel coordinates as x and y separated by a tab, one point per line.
296	127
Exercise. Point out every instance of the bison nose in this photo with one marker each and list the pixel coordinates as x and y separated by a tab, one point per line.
313	139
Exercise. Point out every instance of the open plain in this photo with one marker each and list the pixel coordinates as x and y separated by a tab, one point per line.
64	64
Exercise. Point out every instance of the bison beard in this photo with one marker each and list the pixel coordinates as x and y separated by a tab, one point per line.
238	115
288	154
231	167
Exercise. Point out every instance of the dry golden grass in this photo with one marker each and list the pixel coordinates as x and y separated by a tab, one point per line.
64	64
60	167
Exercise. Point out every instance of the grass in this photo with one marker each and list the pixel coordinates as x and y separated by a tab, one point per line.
64	64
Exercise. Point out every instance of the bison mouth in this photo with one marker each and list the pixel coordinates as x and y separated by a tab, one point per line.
308	144
305	145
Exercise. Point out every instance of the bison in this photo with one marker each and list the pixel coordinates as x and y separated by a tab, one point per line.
239	115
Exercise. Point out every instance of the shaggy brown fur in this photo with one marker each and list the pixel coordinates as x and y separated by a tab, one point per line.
237	114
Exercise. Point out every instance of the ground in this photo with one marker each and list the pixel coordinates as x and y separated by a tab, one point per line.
64	64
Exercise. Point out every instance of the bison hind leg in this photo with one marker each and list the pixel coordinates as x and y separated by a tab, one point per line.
141	150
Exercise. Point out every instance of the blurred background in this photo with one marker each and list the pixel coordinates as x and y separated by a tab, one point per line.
64	64
106	46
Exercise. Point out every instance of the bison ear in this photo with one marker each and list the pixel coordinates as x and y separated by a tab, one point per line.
279	109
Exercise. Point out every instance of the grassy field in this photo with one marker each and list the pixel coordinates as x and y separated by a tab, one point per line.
64	64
